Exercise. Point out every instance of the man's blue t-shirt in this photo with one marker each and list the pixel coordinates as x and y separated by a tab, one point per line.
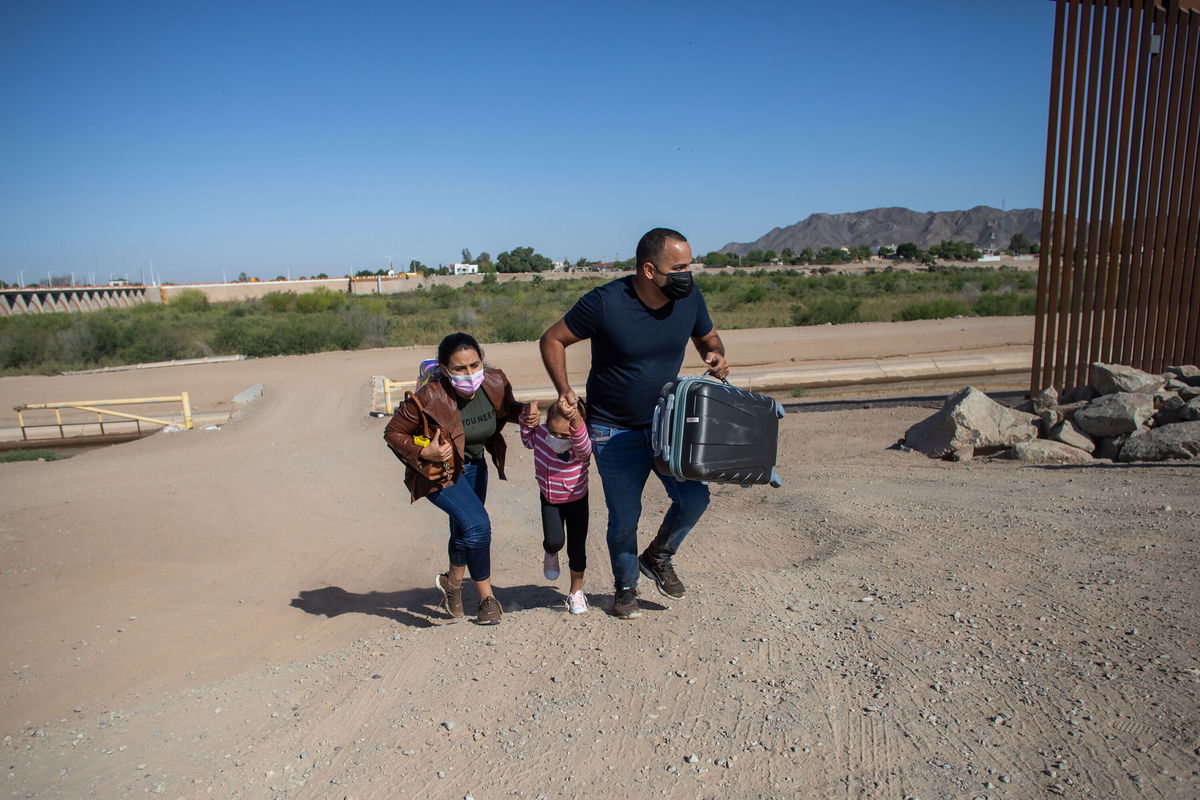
635	350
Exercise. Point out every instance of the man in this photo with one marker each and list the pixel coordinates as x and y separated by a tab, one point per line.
639	326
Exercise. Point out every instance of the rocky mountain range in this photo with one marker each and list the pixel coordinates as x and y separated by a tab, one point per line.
983	226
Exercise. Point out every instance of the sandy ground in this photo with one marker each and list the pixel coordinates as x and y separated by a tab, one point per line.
249	612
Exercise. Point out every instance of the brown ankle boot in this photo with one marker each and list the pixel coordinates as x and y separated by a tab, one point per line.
451	595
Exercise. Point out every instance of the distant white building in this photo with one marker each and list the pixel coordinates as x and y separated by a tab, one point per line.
464	269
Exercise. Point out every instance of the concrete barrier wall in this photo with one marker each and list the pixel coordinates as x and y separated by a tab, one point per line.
407	282
225	292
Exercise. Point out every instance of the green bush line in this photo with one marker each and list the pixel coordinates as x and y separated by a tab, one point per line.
290	324
10	456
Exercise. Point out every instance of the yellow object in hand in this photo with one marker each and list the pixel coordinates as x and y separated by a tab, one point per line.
422	441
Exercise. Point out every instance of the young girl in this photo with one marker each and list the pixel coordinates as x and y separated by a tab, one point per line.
561	454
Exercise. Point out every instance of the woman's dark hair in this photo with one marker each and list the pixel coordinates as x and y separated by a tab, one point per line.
455	342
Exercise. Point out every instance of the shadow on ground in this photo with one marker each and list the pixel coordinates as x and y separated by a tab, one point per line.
418	608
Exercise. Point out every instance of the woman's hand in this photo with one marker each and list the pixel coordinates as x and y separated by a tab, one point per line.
531	417
438	450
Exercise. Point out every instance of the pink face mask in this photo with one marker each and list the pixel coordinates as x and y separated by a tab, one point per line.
467	384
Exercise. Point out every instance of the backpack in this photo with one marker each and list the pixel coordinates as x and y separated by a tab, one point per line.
427	372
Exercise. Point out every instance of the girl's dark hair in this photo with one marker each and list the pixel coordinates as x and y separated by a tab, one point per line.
455	342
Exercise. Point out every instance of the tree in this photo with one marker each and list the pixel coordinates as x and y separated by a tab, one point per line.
770	256
243	277
466	256
806	256
788	255
416	266
908	251
860	253
522	259
884	251
1019	244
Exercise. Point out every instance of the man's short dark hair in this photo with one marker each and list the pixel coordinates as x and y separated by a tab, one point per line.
652	243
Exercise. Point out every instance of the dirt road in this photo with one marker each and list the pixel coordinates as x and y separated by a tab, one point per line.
249	612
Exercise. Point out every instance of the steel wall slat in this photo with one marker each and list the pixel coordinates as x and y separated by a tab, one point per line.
1189	337
1080	272
1060	183
1098	230
1162	271
1040	370
1127	50
1068	251
1175	309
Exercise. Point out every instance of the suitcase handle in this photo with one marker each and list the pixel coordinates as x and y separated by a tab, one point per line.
660	435
708	374
779	412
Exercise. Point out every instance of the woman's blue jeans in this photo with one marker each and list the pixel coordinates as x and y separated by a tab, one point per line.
625	460
470	528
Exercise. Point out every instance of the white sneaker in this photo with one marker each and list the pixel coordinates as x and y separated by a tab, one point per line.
550	566
577	602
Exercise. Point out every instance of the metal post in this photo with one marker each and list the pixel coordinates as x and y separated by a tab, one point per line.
187	410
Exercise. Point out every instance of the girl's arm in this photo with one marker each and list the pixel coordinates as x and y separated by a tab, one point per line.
581	443
527	435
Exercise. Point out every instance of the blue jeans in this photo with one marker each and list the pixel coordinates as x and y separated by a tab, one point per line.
470	527
625	460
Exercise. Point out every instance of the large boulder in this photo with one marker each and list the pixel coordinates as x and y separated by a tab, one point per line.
1044	451
1113	378
970	420
1171	411
1191	412
1110	446
1181	440
1069	433
1114	414
1046	398
1186	372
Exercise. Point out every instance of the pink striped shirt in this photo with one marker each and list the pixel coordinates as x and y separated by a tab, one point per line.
560	481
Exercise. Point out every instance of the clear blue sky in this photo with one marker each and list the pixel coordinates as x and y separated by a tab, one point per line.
300	136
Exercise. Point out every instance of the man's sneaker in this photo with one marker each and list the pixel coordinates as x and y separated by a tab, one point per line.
490	611
451	597
577	602
550	566
625	604
663	574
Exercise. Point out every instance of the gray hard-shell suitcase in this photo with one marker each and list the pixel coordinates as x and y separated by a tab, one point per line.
708	431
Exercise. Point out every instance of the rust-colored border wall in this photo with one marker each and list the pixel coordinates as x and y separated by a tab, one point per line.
1119	280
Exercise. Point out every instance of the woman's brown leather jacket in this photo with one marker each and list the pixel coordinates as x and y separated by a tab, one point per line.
438	398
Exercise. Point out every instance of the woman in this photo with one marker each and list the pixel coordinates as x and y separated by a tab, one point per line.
467	405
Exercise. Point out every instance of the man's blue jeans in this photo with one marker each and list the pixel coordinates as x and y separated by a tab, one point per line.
625	460
470	526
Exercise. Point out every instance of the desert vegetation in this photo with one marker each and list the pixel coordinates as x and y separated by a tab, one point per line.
286	323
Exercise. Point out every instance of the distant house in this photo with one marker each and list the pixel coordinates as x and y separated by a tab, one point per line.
464	269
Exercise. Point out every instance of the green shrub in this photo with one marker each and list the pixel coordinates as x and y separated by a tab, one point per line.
28	455
834	310
941	308
1005	304
190	300
318	300
278	302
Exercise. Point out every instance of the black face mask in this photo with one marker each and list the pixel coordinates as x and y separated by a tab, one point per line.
679	285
